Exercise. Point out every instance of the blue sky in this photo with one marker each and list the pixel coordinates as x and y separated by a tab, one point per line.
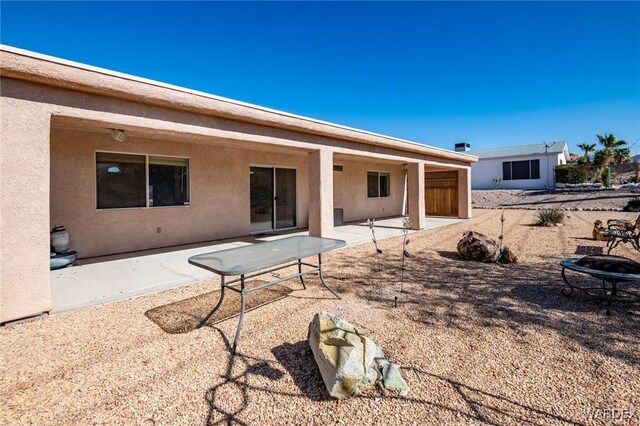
491	74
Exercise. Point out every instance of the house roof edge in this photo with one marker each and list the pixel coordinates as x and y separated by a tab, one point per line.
22	64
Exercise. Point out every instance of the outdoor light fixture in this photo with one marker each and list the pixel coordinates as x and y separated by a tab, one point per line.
119	135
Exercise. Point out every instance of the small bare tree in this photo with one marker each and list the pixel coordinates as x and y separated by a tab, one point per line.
406	226
371	223
501	237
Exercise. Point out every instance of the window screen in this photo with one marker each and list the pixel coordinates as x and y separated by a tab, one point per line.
506	170
384	184
120	180
168	181
520	169
372	184
535	169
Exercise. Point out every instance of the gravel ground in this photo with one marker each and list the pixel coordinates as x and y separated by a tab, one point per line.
478	344
537	199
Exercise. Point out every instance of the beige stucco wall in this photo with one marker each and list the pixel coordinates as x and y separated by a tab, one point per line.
464	194
219	185
220	196
350	190
24	209
43	104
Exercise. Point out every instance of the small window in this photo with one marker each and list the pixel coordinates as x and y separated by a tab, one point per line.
338	168
121	181
378	184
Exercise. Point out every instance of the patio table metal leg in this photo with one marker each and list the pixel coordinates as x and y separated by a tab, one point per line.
564	290
242	295
222	287
322	277
300	272
609	296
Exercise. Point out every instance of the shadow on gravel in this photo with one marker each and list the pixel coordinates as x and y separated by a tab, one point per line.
444	291
297	359
189	314
486	407
453	255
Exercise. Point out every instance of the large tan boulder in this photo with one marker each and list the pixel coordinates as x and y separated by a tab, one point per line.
349	362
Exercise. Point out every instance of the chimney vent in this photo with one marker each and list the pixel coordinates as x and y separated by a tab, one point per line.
463	147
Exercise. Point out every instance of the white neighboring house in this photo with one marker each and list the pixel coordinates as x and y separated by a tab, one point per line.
517	167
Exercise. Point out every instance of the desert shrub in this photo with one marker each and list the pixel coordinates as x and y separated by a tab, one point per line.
550	217
572	173
633	205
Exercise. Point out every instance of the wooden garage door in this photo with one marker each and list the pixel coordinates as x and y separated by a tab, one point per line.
441	193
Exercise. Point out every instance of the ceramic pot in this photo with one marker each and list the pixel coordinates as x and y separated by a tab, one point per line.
60	239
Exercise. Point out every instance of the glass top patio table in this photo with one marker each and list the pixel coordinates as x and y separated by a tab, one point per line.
243	260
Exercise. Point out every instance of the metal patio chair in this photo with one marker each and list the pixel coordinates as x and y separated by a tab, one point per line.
622	231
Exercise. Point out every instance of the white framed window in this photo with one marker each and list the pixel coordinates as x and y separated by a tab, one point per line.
378	184
521	170
140	180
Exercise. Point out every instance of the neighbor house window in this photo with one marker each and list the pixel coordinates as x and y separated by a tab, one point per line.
127	180
378	184
519	170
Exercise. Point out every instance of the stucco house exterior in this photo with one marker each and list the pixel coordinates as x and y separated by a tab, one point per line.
129	164
518	167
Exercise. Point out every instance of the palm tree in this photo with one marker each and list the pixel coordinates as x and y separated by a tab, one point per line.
587	148
621	155
610	146
612	151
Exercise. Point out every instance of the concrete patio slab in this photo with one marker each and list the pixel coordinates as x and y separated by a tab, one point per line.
107	279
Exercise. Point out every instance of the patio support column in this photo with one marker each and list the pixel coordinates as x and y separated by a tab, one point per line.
464	193
415	193
24	209
321	193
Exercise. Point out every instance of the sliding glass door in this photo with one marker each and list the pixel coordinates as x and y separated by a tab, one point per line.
273	198
285	198
261	199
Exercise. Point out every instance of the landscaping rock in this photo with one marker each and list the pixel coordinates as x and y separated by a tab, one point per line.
507	256
349	362
476	246
392	380
599	231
